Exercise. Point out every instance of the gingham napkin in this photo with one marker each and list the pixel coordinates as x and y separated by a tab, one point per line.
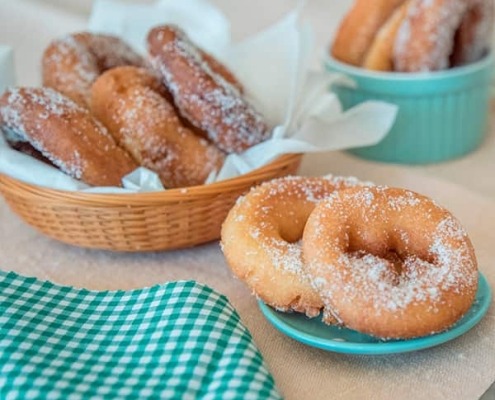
180	340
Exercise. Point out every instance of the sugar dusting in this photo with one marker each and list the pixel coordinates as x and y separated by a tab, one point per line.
286	256
18	100
75	61
27	113
359	277
148	126
426	38
272	217
207	99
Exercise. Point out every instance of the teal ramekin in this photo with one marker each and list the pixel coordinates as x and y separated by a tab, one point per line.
442	115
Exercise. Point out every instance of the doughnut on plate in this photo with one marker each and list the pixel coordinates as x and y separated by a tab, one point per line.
315	333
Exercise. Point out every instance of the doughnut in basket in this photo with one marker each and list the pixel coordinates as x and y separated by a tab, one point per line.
133	105
104	111
65	133
202	95
142	108
71	64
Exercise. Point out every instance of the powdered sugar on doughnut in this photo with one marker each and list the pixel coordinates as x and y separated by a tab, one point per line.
397	278
13	121
426	38
283	254
71	64
132	103
53	103
420	281
84	70
14	115
61	130
163	155
205	98
262	239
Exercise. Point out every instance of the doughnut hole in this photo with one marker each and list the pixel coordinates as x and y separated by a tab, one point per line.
389	262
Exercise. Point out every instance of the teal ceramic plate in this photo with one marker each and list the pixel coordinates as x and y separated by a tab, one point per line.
314	333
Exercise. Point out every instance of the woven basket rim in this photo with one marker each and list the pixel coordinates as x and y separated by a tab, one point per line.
160	196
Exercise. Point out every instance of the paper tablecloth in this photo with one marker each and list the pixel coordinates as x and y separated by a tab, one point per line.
462	369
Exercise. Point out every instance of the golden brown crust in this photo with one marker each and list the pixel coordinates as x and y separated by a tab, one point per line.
131	103
426	39
209	103
389	262
260	240
414	35
359	28
71	64
218	68
380	55
66	134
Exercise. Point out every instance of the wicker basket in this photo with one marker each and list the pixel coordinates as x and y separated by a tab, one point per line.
166	220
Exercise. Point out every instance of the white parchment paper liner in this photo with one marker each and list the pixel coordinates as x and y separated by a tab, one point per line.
274	67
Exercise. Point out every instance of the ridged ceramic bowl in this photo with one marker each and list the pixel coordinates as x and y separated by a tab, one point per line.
442	115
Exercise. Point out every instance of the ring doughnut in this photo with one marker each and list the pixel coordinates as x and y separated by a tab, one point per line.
389	262
71	64
261	240
65	133
427	38
131	103
202	96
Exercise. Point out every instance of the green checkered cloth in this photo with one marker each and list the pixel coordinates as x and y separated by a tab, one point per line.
180	340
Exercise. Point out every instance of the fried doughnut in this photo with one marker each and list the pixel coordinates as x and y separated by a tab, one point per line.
426	39
359	28
66	134
389	262
71	64
380	55
472	39
131	103
202	96
261	240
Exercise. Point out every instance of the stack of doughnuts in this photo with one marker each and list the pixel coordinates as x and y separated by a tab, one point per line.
414	35
104	110
383	261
